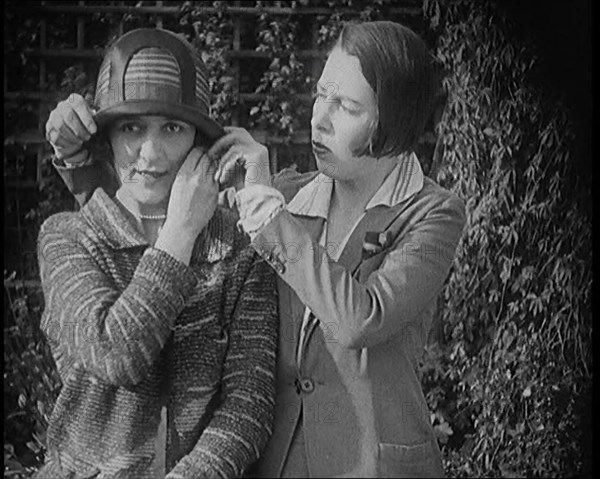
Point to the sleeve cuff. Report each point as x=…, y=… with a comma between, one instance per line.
x=257, y=206
x=83, y=158
x=162, y=269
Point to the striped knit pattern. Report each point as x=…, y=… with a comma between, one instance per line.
x=148, y=70
x=112, y=302
x=153, y=65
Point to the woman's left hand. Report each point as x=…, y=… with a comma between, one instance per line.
x=237, y=149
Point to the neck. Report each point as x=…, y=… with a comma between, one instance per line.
x=141, y=210
x=148, y=224
x=356, y=193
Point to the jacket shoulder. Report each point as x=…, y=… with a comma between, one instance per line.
x=435, y=196
x=289, y=181
x=59, y=235
x=68, y=224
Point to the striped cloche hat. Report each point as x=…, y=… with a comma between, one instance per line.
x=151, y=71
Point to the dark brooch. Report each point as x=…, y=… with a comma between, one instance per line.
x=375, y=242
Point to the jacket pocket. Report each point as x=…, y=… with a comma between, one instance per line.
x=420, y=460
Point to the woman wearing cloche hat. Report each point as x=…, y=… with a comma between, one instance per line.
x=162, y=322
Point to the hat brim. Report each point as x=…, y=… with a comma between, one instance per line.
x=206, y=126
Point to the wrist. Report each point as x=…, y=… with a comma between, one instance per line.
x=182, y=230
x=78, y=158
x=176, y=242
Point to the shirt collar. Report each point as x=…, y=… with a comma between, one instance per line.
x=403, y=182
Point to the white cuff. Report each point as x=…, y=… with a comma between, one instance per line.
x=257, y=205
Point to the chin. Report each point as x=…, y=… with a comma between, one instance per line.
x=327, y=166
x=151, y=197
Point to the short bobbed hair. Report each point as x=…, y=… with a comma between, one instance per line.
x=398, y=66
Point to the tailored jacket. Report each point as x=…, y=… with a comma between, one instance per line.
x=355, y=388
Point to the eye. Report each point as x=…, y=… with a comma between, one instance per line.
x=129, y=127
x=324, y=94
x=174, y=127
x=349, y=109
x=317, y=94
x=328, y=96
x=335, y=102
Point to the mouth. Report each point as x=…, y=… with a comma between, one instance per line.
x=320, y=147
x=151, y=174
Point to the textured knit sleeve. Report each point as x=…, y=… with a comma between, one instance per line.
x=115, y=335
x=82, y=180
x=242, y=424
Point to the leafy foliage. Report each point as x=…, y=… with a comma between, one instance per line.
x=212, y=35
x=285, y=80
x=31, y=382
x=514, y=373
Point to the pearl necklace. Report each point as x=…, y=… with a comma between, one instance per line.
x=138, y=215
x=150, y=217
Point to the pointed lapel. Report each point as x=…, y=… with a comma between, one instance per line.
x=375, y=219
x=295, y=307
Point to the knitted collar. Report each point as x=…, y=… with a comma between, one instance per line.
x=110, y=223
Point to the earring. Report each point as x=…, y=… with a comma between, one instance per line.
x=371, y=147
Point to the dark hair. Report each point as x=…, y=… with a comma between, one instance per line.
x=398, y=66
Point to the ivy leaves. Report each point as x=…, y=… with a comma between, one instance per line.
x=517, y=300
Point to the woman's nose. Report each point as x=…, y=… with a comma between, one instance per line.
x=149, y=151
x=320, y=116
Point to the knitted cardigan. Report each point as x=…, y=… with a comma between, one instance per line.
x=112, y=303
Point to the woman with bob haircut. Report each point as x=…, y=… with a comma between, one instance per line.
x=362, y=248
x=160, y=316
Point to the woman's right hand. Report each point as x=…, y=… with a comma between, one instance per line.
x=69, y=126
x=194, y=194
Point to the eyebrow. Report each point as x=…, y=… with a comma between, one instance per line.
x=343, y=97
x=136, y=118
x=127, y=118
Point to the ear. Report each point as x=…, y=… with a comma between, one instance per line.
x=368, y=145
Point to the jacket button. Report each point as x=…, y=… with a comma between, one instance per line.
x=279, y=267
x=306, y=385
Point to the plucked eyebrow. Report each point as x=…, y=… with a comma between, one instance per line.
x=127, y=119
x=179, y=122
x=136, y=119
x=343, y=97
